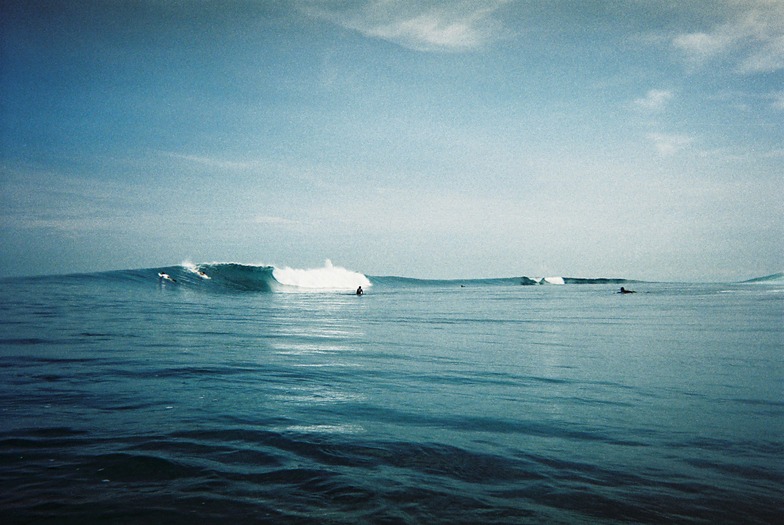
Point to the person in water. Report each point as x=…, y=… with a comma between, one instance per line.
x=360, y=291
x=624, y=290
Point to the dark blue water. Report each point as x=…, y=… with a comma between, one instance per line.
x=123, y=400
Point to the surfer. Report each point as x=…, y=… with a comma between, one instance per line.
x=165, y=277
x=624, y=290
x=360, y=291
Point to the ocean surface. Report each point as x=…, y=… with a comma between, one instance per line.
x=250, y=394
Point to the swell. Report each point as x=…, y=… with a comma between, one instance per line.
x=237, y=277
x=272, y=476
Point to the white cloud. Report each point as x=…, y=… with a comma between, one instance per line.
x=753, y=41
x=699, y=47
x=422, y=26
x=654, y=100
x=774, y=154
x=769, y=57
x=668, y=144
x=778, y=100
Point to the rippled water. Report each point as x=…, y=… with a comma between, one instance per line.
x=130, y=402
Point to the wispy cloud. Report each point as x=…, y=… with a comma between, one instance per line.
x=213, y=162
x=55, y=201
x=422, y=26
x=668, y=144
x=654, y=100
x=269, y=220
x=774, y=154
x=753, y=41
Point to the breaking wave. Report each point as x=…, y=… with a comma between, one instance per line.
x=260, y=278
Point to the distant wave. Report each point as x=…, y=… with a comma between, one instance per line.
x=599, y=280
x=503, y=281
x=776, y=277
x=529, y=281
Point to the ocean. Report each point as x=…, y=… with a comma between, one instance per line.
x=255, y=394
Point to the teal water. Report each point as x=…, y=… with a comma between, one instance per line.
x=128, y=400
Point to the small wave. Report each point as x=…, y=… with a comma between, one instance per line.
x=325, y=429
x=773, y=278
x=598, y=280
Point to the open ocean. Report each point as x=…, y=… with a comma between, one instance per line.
x=263, y=395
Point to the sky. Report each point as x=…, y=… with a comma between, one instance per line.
x=639, y=139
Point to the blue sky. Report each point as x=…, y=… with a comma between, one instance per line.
x=639, y=139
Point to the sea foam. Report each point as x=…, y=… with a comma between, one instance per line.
x=329, y=277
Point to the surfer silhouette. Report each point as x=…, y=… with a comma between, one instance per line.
x=624, y=290
x=360, y=291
